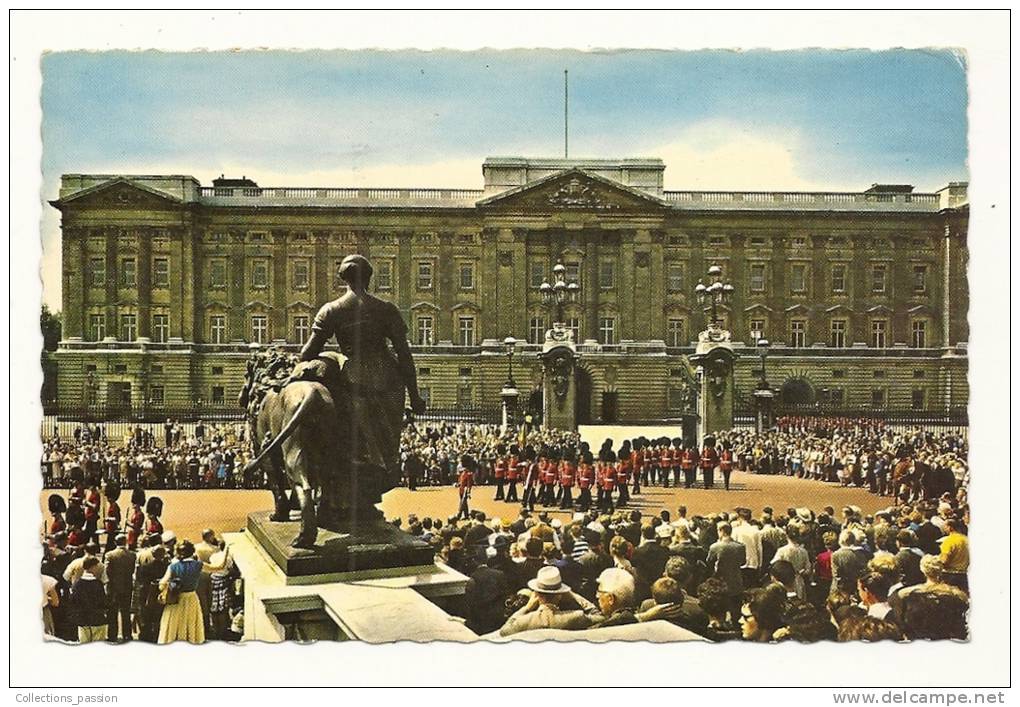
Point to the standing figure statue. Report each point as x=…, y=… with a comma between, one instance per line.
x=370, y=410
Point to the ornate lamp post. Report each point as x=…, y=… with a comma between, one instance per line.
x=714, y=294
x=509, y=393
x=558, y=293
x=763, y=394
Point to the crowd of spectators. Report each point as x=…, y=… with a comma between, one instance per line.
x=151, y=586
x=210, y=456
x=898, y=574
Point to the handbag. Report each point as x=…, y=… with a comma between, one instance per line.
x=170, y=594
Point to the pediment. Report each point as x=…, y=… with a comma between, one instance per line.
x=573, y=190
x=119, y=193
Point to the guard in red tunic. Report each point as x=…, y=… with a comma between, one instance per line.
x=688, y=463
x=58, y=507
x=93, y=499
x=726, y=464
x=607, y=482
x=136, y=517
x=547, y=466
x=676, y=460
x=112, y=517
x=465, y=480
x=499, y=472
x=585, y=480
x=637, y=464
x=568, y=475
x=663, y=461
x=515, y=469
x=153, y=511
x=709, y=461
x=623, y=470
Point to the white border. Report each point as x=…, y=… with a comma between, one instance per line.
x=983, y=661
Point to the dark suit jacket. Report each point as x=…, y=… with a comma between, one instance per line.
x=120, y=571
x=650, y=560
x=725, y=558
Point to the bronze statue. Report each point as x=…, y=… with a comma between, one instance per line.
x=341, y=414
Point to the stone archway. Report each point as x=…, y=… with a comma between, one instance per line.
x=797, y=392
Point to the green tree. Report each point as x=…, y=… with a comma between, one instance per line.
x=49, y=322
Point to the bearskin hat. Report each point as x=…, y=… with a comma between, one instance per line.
x=112, y=490
x=678, y=442
x=155, y=506
x=57, y=504
x=138, y=496
x=77, y=475
x=709, y=441
x=76, y=516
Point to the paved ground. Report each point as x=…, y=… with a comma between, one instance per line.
x=188, y=512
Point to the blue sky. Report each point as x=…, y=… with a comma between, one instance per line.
x=719, y=119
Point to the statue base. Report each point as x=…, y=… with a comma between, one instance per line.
x=369, y=549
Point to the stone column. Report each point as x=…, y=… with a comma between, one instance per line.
x=714, y=357
x=559, y=389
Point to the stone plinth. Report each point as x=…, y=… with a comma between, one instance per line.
x=375, y=610
x=714, y=358
x=372, y=549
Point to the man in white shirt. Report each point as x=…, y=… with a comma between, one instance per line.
x=745, y=533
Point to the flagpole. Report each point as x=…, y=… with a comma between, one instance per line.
x=566, y=144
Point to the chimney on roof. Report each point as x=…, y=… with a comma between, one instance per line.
x=890, y=189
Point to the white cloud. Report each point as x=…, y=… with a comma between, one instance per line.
x=722, y=156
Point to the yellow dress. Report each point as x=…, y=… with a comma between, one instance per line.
x=181, y=621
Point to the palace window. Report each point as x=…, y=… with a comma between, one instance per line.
x=218, y=329
x=675, y=277
x=879, y=328
x=156, y=395
x=878, y=277
x=260, y=329
x=573, y=273
x=97, y=327
x=301, y=328
x=260, y=274
x=920, y=279
x=466, y=331
x=798, y=333
x=675, y=332
x=919, y=333
x=798, y=277
x=837, y=396
x=837, y=333
x=465, y=396
x=160, y=328
x=216, y=370
x=757, y=279
x=607, y=275
x=536, y=330
x=128, y=327
x=217, y=273
x=757, y=329
x=301, y=276
x=425, y=275
x=878, y=397
x=917, y=399
x=466, y=275
x=128, y=273
x=839, y=278
x=97, y=272
x=161, y=273
x=918, y=373
x=607, y=331
x=574, y=326
x=217, y=394
x=384, y=275
x=536, y=274
x=425, y=331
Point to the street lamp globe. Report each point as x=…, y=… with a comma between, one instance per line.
x=728, y=289
x=572, y=289
x=715, y=271
x=700, y=289
x=763, y=344
x=559, y=270
x=510, y=343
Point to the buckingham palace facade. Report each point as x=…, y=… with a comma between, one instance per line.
x=863, y=295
